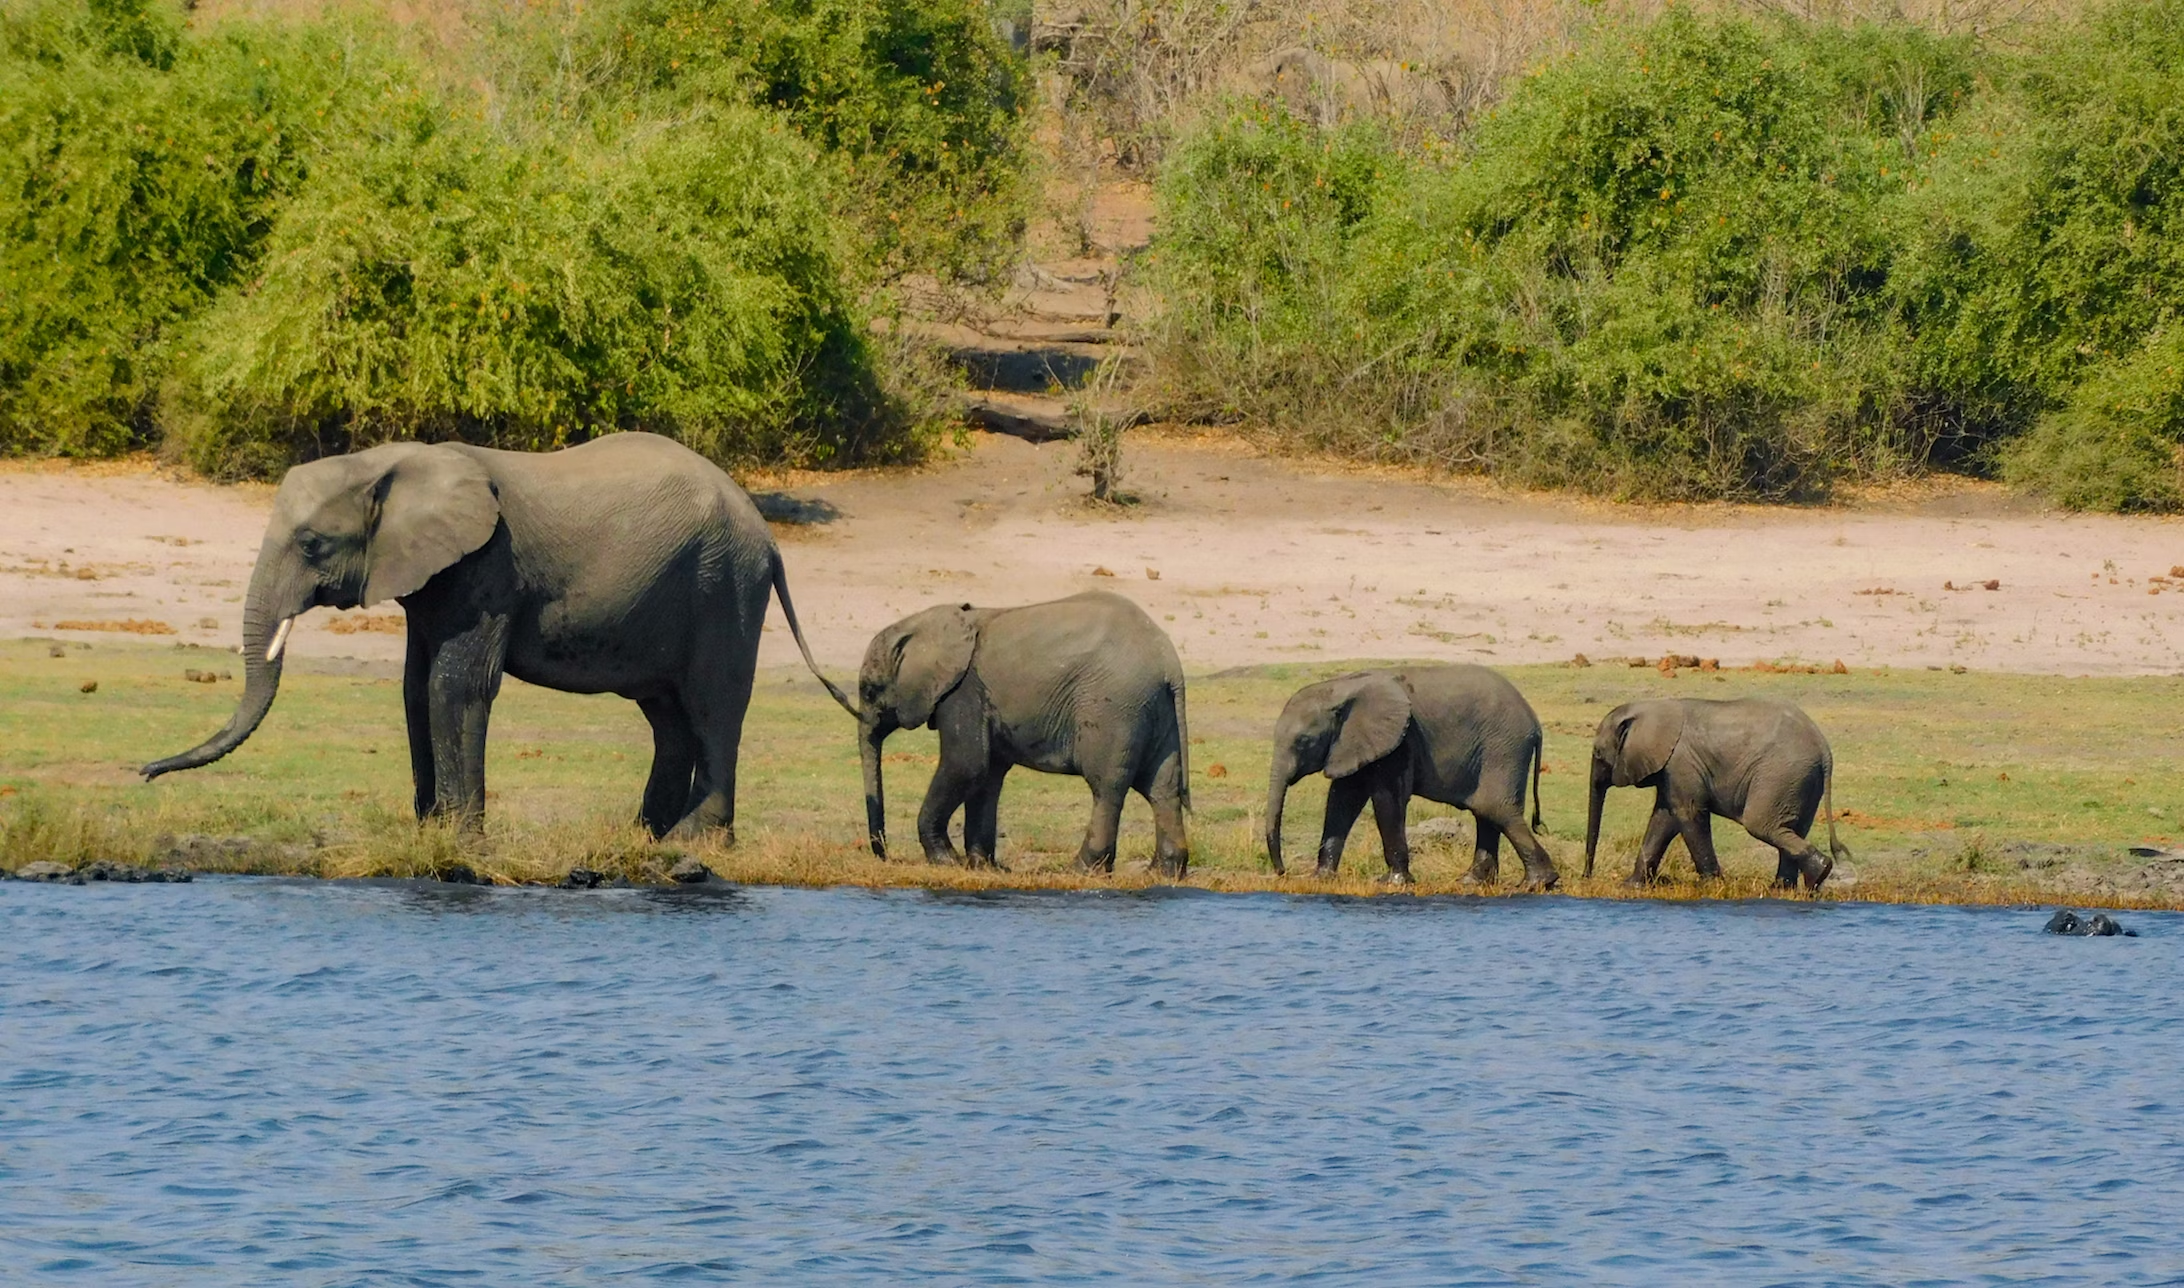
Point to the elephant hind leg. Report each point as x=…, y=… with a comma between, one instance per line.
x=1539, y=866
x=1796, y=858
x=1097, y=853
x=674, y=761
x=715, y=720
x=1485, y=850
x=1171, y=841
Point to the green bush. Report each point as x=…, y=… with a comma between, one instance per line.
x=436, y=281
x=2118, y=443
x=919, y=108
x=2052, y=247
x=139, y=175
x=1712, y=256
x=1658, y=270
x=254, y=242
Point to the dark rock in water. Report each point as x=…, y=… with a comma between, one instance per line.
x=44, y=870
x=688, y=871
x=582, y=879
x=2100, y=924
x=460, y=874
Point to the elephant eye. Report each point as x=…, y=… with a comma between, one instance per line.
x=313, y=545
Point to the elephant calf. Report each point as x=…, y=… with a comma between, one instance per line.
x=1460, y=735
x=1087, y=685
x=1760, y=761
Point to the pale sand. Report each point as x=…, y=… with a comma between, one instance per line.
x=1263, y=560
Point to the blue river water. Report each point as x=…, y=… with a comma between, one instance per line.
x=287, y=1082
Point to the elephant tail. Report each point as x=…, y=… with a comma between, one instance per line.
x=788, y=610
x=1836, y=848
x=1182, y=735
x=1539, y=763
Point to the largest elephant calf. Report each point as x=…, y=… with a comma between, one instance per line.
x=629, y=565
x=1087, y=685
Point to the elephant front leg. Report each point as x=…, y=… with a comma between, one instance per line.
x=982, y=822
x=1346, y=799
x=1660, y=830
x=947, y=794
x=417, y=717
x=1698, y=834
x=464, y=679
x=1391, y=810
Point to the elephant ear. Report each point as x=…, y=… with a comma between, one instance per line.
x=931, y=656
x=435, y=505
x=1374, y=716
x=1644, y=738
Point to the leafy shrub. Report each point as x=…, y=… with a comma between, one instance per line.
x=139, y=175
x=2051, y=251
x=264, y=241
x=2118, y=443
x=919, y=107
x=1659, y=270
x=439, y=282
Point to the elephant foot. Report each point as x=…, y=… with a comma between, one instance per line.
x=1324, y=873
x=1483, y=876
x=1398, y=877
x=1542, y=882
x=1814, y=878
x=986, y=861
x=1638, y=881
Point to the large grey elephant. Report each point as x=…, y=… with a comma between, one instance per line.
x=629, y=565
x=1087, y=685
x=1760, y=761
x=1460, y=735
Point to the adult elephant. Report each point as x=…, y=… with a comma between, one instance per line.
x=1460, y=735
x=628, y=565
x=1760, y=761
x=1087, y=685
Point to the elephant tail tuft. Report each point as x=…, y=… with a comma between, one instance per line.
x=1539, y=763
x=1836, y=848
x=1182, y=736
x=788, y=610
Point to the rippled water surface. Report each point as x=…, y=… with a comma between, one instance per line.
x=297, y=1083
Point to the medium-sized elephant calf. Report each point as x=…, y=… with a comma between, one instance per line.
x=1087, y=685
x=1460, y=735
x=1760, y=761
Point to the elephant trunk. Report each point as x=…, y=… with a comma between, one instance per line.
x=275, y=599
x=875, y=797
x=1279, y=777
x=1602, y=777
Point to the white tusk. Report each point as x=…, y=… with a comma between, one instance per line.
x=280, y=640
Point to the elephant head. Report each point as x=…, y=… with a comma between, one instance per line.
x=909, y=667
x=346, y=532
x=1632, y=744
x=1337, y=727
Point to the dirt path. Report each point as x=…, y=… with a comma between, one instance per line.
x=1259, y=560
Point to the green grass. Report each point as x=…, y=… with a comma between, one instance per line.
x=2092, y=766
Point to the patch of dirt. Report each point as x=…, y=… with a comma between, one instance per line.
x=1249, y=559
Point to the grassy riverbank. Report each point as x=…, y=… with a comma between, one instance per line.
x=1962, y=788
